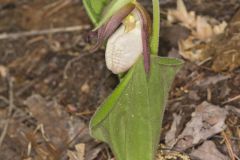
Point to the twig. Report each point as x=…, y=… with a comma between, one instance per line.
x=204, y=61
x=238, y=134
x=71, y=142
x=232, y=99
x=85, y=113
x=69, y=63
x=176, y=99
x=10, y=109
x=209, y=94
x=228, y=145
x=42, y=32
x=5, y=100
x=231, y=138
x=58, y=6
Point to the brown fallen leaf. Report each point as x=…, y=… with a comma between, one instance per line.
x=210, y=40
x=207, y=120
x=208, y=151
x=78, y=154
x=56, y=127
x=220, y=48
x=3, y=71
x=188, y=19
x=203, y=28
x=212, y=80
x=170, y=138
x=234, y=109
x=191, y=49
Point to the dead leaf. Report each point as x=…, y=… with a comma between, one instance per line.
x=92, y=152
x=181, y=14
x=170, y=138
x=202, y=27
x=228, y=59
x=208, y=151
x=193, y=95
x=207, y=120
x=214, y=41
x=191, y=49
x=218, y=29
x=204, y=30
x=54, y=123
x=78, y=154
x=3, y=71
x=233, y=109
x=212, y=80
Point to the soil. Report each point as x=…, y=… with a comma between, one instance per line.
x=51, y=85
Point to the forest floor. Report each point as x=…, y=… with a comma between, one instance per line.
x=51, y=85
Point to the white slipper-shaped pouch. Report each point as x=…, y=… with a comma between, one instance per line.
x=124, y=47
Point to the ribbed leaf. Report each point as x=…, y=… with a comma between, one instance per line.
x=130, y=118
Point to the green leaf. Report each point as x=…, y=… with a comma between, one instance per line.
x=95, y=8
x=130, y=118
x=100, y=11
x=111, y=9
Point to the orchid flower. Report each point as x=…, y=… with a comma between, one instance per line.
x=127, y=35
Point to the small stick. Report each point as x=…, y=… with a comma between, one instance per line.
x=10, y=109
x=69, y=63
x=5, y=100
x=209, y=94
x=238, y=134
x=43, y=32
x=228, y=145
x=232, y=99
x=231, y=138
x=58, y=6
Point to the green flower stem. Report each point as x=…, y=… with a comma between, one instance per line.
x=156, y=27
